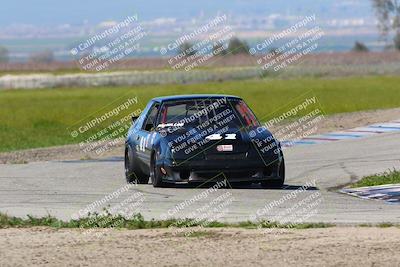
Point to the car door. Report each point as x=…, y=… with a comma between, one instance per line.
x=145, y=135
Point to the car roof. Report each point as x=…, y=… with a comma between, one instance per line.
x=189, y=97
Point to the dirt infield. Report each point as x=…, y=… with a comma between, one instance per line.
x=339, y=246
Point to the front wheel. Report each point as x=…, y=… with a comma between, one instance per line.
x=132, y=173
x=155, y=172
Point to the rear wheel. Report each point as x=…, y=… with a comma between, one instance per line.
x=276, y=183
x=132, y=173
x=155, y=172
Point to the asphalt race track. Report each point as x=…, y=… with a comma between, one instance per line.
x=63, y=188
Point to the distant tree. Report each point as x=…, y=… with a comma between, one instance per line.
x=388, y=14
x=4, y=54
x=219, y=49
x=236, y=46
x=45, y=56
x=397, y=41
x=360, y=47
x=186, y=49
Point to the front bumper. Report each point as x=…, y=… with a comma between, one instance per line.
x=233, y=170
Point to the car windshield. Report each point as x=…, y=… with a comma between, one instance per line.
x=196, y=111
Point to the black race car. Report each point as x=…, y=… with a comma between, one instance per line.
x=201, y=138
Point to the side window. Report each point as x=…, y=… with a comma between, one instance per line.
x=151, y=118
x=140, y=121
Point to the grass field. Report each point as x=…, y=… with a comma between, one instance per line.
x=137, y=221
x=389, y=177
x=41, y=118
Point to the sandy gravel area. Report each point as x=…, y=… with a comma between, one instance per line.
x=339, y=246
x=73, y=152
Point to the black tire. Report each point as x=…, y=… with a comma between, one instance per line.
x=155, y=173
x=276, y=183
x=133, y=174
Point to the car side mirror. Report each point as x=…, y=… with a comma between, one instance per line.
x=134, y=118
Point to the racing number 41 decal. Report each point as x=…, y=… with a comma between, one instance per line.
x=143, y=142
x=219, y=137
